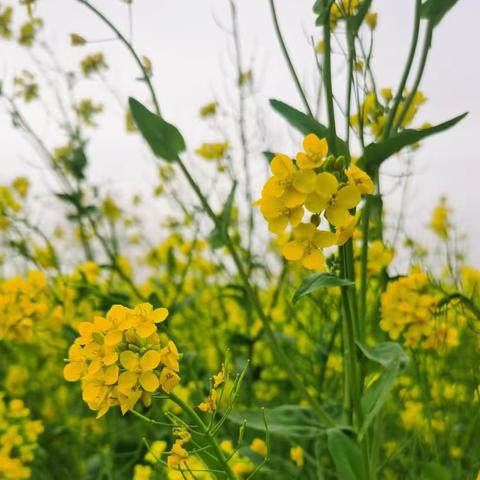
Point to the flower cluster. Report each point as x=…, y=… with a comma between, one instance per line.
x=22, y=303
x=409, y=309
x=374, y=111
x=18, y=439
x=213, y=151
x=210, y=404
x=318, y=184
x=121, y=358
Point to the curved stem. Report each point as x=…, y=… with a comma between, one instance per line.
x=421, y=68
x=124, y=40
x=288, y=59
x=406, y=71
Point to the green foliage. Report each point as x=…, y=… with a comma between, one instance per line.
x=305, y=124
x=377, y=152
x=435, y=10
x=317, y=281
x=219, y=236
x=287, y=420
x=346, y=455
x=163, y=138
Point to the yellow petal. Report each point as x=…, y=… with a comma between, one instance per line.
x=348, y=197
x=73, y=371
x=315, y=261
x=305, y=181
x=271, y=206
x=113, y=337
x=110, y=357
x=296, y=216
x=304, y=232
x=278, y=225
x=327, y=184
x=311, y=143
x=282, y=165
x=303, y=161
x=337, y=216
x=323, y=239
x=293, y=198
x=159, y=315
x=127, y=380
x=129, y=360
x=315, y=203
x=149, y=381
x=150, y=360
x=145, y=329
x=293, y=250
x=272, y=187
x=111, y=374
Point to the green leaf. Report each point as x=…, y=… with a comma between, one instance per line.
x=376, y=395
x=320, y=8
x=286, y=420
x=435, y=10
x=391, y=356
x=376, y=153
x=346, y=455
x=385, y=353
x=218, y=237
x=317, y=281
x=268, y=156
x=302, y=122
x=163, y=138
x=434, y=471
x=360, y=15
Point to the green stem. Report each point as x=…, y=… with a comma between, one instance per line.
x=327, y=81
x=406, y=71
x=288, y=59
x=351, y=358
x=421, y=68
x=204, y=429
x=124, y=40
x=363, y=266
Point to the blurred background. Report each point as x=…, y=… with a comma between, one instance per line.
x=190, y=46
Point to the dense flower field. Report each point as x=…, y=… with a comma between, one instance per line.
x=269, y=333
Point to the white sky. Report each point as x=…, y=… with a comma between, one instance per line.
x=190, y=55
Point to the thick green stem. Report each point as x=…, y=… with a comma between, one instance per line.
x=288, y=59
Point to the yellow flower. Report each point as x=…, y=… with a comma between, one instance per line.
x=155, y=452
x=209, y=110
x=210, y=405
x=120, y=359
x=77, y=40
x=139, y=369
x=371, y=20
x=316, y=150
x=360, y=179
x=296, y=454
x=142, y=472
x=336, y=200
x=259, y=446
x=307, y=246
x=213, y=151
x=278, y=215
x=289, y=182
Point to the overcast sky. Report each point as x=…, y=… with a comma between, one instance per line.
x=190, y=54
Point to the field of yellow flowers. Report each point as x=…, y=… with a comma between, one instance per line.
x=262, y=333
